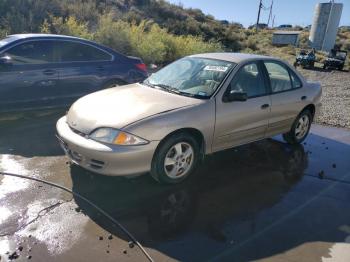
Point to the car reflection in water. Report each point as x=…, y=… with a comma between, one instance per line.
x=229, y=187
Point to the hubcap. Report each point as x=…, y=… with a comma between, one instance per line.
x=179, y=159
x=302, y=127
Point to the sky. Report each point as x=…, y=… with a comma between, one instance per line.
x=295, y=12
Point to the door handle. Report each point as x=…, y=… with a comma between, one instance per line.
x=303, y=97
x=49, y=72
x=264, y=106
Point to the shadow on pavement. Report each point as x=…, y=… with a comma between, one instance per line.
x=230, y=187
x=30, y=134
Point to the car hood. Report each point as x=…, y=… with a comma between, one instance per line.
x=120, y=106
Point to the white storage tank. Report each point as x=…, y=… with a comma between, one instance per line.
x=325, y=25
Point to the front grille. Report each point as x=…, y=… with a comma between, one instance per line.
x=97, y=164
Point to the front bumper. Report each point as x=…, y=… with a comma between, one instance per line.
x=104, y=159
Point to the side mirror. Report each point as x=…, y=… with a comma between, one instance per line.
x=236, y=96
x=5, y=60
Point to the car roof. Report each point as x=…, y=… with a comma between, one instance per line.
x=23, y=36
x=233, y=57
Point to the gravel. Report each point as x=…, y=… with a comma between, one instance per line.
x=335, y=99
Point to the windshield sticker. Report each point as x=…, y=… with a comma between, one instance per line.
x=201, y=93
x=216, y=68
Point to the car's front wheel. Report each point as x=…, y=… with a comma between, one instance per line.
x=300, y=128
x=175, y=159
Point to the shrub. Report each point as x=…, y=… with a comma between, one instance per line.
x=69, y=26
x=251, y=43
x=113, y=34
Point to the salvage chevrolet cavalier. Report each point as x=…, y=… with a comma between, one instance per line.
x=193, y=107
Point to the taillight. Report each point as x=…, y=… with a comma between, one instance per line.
x=142, y=67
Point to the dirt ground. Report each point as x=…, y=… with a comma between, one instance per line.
x=335, y=96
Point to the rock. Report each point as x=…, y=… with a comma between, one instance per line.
x=78, y=209
x=100, y=238
x=110, y=237
x=131, y=244
x=29, y=257
x=107, y=251
x=20, y=248
x=125, y=251
x=13, y=256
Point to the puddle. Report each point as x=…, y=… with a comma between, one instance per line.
x=59, y=230
x=5, y=213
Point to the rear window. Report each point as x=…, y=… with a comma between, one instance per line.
x=78, y=52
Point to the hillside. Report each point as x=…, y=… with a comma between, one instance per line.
x=156, y=30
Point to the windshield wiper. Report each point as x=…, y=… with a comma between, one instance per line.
x=174, y=90
x=146, y=83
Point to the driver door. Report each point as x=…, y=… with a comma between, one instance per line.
x=30, y=78
x=240, y=122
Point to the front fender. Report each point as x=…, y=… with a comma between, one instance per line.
x=200, y=117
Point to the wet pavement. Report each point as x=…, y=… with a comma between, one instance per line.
x=265, y=201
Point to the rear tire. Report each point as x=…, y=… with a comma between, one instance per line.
x=175, y=159
x=299, y=129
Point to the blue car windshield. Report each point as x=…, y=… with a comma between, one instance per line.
x=191, y=76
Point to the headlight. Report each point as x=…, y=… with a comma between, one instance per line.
x=116, y=137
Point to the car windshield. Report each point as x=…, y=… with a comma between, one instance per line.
x=337, y=54
x=191, y=76
x=341, y=55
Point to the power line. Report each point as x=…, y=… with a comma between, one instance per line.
x=257, y=21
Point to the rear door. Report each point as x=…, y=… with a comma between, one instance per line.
x=31, y=77
x=287, y=97
x=240, y=122
x=83, y=68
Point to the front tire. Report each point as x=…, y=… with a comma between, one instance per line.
x=175, y=159
x=300, y=128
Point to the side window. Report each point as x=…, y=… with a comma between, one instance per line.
x=34, y=52
x=248, y=80
x=295, y=80
x=279, y=77
x=77, y=52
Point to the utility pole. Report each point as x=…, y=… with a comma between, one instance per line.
x=270, y=15
x=257, y=21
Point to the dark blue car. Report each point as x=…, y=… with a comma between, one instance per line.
x=39, y=70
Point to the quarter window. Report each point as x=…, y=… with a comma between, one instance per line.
x=295, y=80
x=279, y=77
x=248, y=80
x=77, y=52
x=34, y=52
